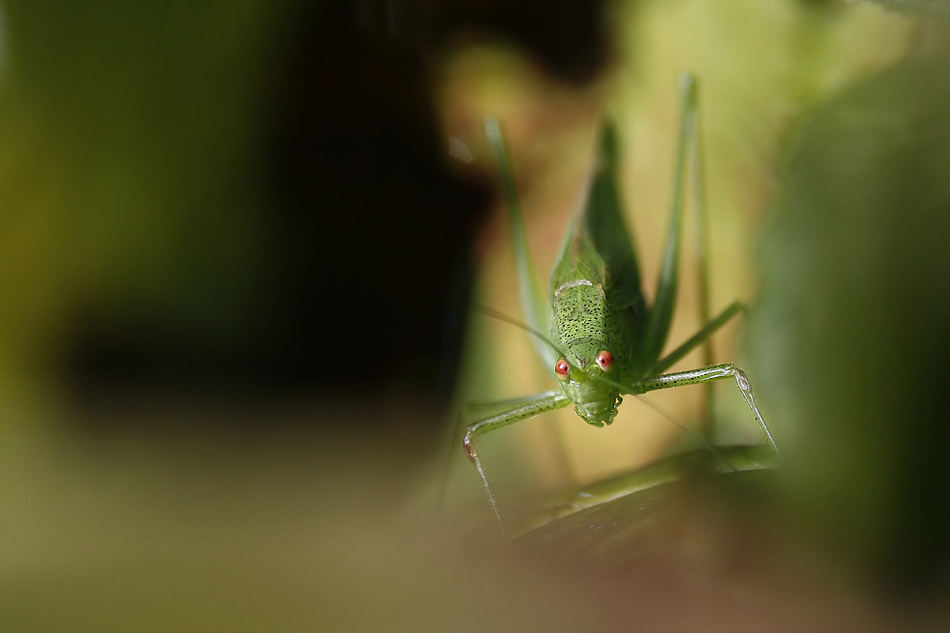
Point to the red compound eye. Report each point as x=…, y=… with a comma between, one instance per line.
x=604, y=360
x=562, y=368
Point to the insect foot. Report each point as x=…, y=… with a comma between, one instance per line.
x=469, y=449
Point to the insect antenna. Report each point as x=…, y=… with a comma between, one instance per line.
x=501, y=316
x=669, y=417
x=709, y=446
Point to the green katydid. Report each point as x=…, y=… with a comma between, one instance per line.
x=604, y=341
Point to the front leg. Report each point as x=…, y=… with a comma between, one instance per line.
x=521, y=410
x=705, y=375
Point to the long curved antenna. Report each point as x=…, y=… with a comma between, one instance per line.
x=709, y=446
x=501, y=316
x=666, y=414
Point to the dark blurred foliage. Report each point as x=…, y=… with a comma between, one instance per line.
x=369, y=232
x=264, y=188
x=850, y=336
x=571, y=40
x=361, y=235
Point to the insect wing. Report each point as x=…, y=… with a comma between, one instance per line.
x=603, y=222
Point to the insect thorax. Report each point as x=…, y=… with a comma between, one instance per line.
x=580, y=319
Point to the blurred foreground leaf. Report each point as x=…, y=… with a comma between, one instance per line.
x=850, y=335
x=615, y=516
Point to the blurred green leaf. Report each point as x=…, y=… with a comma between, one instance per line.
x=609, y=516
x=850, y=336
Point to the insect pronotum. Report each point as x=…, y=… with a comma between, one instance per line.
x=603, y=340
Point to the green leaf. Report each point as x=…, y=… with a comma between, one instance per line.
x=609, y=515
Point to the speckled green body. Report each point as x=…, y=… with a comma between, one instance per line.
x=584, y=322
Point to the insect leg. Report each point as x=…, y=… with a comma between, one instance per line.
x=704, y=375
x=534, y=309
x=698, y=339
x=661, y=312
x=698, y=186
x=485, y=409
x=522, y=410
